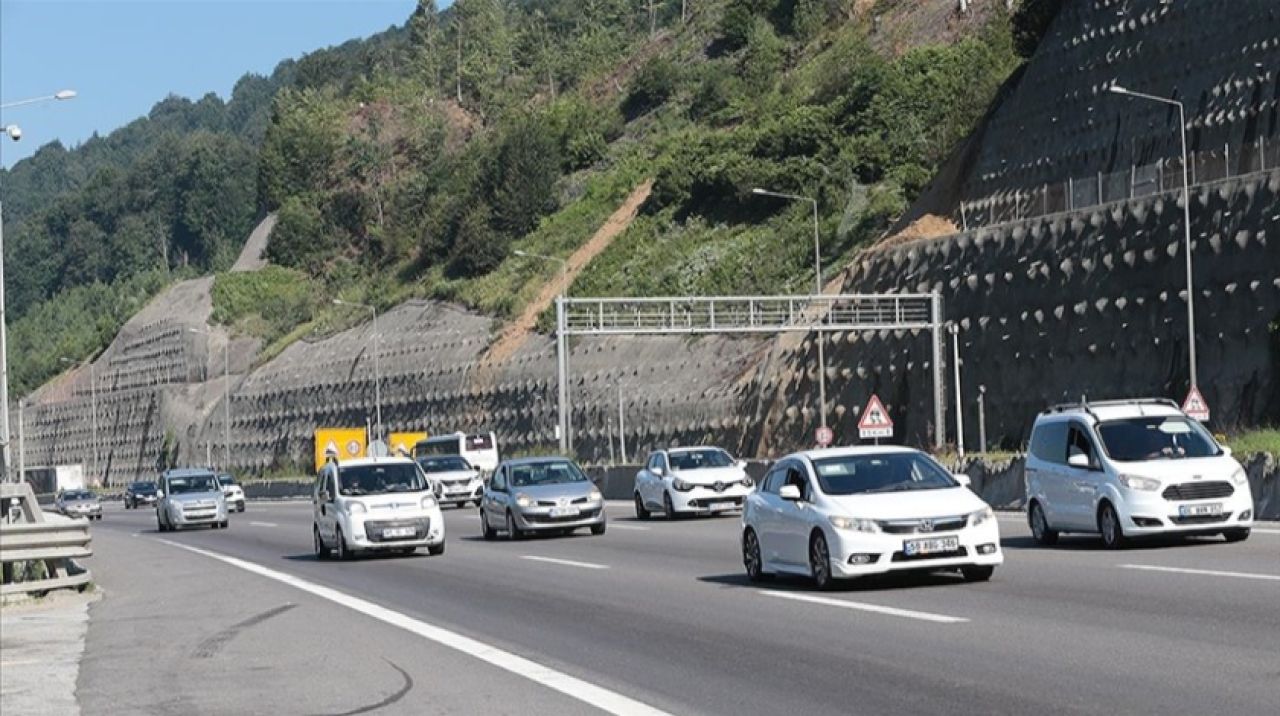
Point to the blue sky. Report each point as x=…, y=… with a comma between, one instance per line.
x=122, y=56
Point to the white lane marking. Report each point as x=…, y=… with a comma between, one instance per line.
x=637, y=528
x=1259, y=530
x=861, y=606
x=1202, y=572
x=565, y=562
x=571, y=686
x=264, y=524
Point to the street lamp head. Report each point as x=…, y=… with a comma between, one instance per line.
x=520, y=253
x=65, y=359
x=1117, y=89
x=339, y=302
x=758, y=190
x=14, y=132
x=65, y=94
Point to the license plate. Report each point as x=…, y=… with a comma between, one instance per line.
x=1214, y=508
x=930, y=546
x=398, y=532
x=565, y=511
x=722, y=505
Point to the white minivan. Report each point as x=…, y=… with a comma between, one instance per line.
x=381, y=504
x=1130, y=468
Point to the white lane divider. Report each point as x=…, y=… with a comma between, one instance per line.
x=264, y=524
x=1202, y=572
x=864, y=607
x=1259, y=530
x=571, y=686
x=565, y=562
x=636, y=528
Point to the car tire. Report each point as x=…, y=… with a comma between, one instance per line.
x=1110, y=528
x=322, y=550
x=160, y=524
x=240, y=508
x=486, y=530
x=977, y=573
x=599, y=529
x=820, y=561
x=751, y=557
x=641, y=512
x=224, y=524
x=435, y=550
x=340, y=549
x=1239, y=535
x=668, y=508
x=513, y=532
x=1040, y=526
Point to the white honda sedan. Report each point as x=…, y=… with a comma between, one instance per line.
x=849, y=512
x=689, y=481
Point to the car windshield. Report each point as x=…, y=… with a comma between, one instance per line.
x=226, y=480
x=699, y=459
x=73, y=495
x=381, y=479
x=444, y=463
x=546, y=473
x=193, y=483
x=1156, y=438
x=144, y=487
x=880, y=472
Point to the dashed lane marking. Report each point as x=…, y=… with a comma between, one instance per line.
x=864, y=607
x=565, y=562
x=1202, y=572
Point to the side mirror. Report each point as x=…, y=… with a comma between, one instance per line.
x=438, y=490
x=1226, y=451
x=741, y=464
x=963, y=479
x=324, y=496
x=790, y=493
x=1079, y=460
x=159, y=494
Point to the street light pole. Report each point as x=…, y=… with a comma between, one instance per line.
x=1186, y=218
x=817, y=280
x=955, y=360
x=226, y=399
x=562, y=350
x=16, y=133
x=377, y=371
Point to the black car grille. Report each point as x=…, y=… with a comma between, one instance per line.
x=902, y=556
x=374, y=529
x=705, y=502
x=556, y=503
x=549, y=520
x=1198, y=491
x=911, y=527
x=1199, y=519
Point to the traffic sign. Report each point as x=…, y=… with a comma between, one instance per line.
x=823, y=436
x=1195, y=405
x=875, y=422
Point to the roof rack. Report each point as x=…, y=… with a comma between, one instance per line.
x=1088, y=405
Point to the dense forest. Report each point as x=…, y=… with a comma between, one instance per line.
x=414, y=162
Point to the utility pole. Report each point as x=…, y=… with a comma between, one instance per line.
x=955, y=356
x=622, y=427
x=982, y=419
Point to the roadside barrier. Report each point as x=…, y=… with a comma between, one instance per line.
x=38, y=551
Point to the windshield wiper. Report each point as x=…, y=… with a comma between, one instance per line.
x=899, y=487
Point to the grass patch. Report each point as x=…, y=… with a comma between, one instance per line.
x=1255, y=441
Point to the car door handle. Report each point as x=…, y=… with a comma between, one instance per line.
x=1084, y=485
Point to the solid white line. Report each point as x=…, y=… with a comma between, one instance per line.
x=571, y=686
x=264, y=524
x=1259, y=530
x=1203, y=572
x=637, y=528
x=860, y=606
x=565, y=562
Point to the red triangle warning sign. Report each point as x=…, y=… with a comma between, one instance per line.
x=1195, y=405
x=875, y=422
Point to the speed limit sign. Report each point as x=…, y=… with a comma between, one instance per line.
x=823, y=436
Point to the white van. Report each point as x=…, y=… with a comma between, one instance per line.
x=1129, y=468
x=480, y=450
x=380, y=504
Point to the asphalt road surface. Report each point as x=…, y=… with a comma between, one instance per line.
x=658, y=616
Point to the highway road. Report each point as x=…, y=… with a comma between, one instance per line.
x=658, y=615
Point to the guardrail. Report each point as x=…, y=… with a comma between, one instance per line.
x=38, y=551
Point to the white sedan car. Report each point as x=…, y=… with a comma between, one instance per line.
x=457, y=482
x=695, y=480
x=849, y=512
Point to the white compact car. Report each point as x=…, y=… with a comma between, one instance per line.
x=374, y=505
x=232, y=491
x=1130, y=468
x=850, y=512
x=695, y=480
x=456, y=481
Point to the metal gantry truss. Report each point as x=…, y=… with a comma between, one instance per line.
x=698, y=315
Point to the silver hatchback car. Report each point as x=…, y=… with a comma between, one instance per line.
x=545, y=494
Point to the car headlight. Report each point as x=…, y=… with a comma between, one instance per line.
x=356, y=508
x=1239, y=477
x=855, y=524
x=1134, y=482
x=980, y=516
x=681, y=485
x=595, y=495
x=428, y=502
x=523, y=500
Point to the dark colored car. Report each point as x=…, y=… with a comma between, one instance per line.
x=139, y=493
